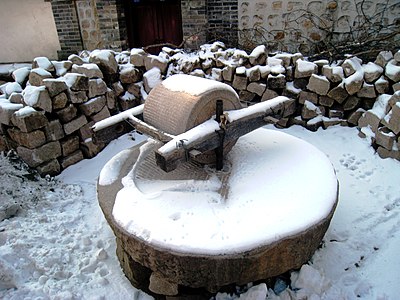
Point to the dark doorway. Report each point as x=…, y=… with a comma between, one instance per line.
x=151, y=22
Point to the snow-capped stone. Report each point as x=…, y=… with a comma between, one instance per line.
x=264, y=71
x=396, y=56
x=151, y=78
x=355, y=116
x=392, y=70
x=198, y=73
x=382, y=85
x=129, y=73
x=310, y=110
x=383, y=58
x=336, y=113
x=43, y=63
x=21, y=75
x=76, y=81
x=351, y=65
x=111, y=99
x=93, y=105
x=228, y=72
x=55, y=86
x=76, y=59
x=89, y=70
x=62, y=67
x=97, y=87
x=276, y=65
x=318, y=84
x=13, y=87
x=394, y=123
x=253, y=74
x=7, y=109
x=134, y=89
x=28, y=119
x=355, y=75
x=367, y=91
x=395, y=98
x=276, y=82
x=152, y=61
x=333, y=73
x=105, y=59
x=37, y=97
x=16, y=98
x=396, y=87
x=37, y=75
x=372, y=72
x=257, y=88
x=385, y=138
x=118, y=88
x=137, y=57
x=258, y=55
x=217, y=74
x=304, y=68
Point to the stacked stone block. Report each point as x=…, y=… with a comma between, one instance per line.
x=47, y=112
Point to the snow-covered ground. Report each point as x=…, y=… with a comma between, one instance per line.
x=59, y=246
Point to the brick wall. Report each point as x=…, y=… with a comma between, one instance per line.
x=194, y=22
x=223, y=21
x=67, y=25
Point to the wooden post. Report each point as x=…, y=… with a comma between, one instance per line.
x=219, y=151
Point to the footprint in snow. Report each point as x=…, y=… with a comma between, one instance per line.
x=356, y=167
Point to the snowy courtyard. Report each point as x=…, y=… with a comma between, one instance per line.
x=59, y=246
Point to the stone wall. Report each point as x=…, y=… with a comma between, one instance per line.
x=292, y=26
x=46, y=111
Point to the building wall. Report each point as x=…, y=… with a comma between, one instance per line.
x=27, y=31
x=296, y=25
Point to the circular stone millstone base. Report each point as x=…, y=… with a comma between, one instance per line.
x=167, y=270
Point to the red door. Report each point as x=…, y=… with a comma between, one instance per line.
x=151, y=22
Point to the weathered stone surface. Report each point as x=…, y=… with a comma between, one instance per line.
x=78, y=97
x=353, y=83
x=355, y=116
x=55, y=86
x=372, y=72
x=394, y=121
x=336, y=113
x=37, y=75
x=60, y=101
x=51, y=168
x=257, y=88
x=7, y=109
x=111, y=99
x=69, y=145
x=29, y=140
x=89, y=70
x=394, y=99
x=217, y=74
x=228, y=72
x=129, y=74
x=90, y=149
x=67, y=114
x=276, y=81
x=37, y=156
x=304, y=69
x=239, y=82
x=62, y=67
x=314, y=123
x=85, y=132
x=382, y=85
x=395, y=87
x=351, y=66
x=383, y=58
x=37, y=97
x=137, y=57
x=258, y=56
x=76, y=81
x=384, y=153
x=385, y=138
x=301, y=83
x=269, y=94
x=392, y=70
x=97, y=87
x=72, y=159
x=118, y=88
x=101, y=115
x=153, y=61
x=367, y=91
x=16, y=98
x=43, y=63
x=397, y=56
x=135, y=88
x=128, y=101
x=326, y=123
x=351, y=103
x=318, y=84
x=75, y=124
x=105, y=59
x=28, y=119
x=338, y=93
x=76, y=59
x=162, y=286
x=54, y=131
x=326, y=101
x=246, y=96
x=254, y=74
x=308, y=96
x=369, y=119
x=334, y=74
x=310, y=110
